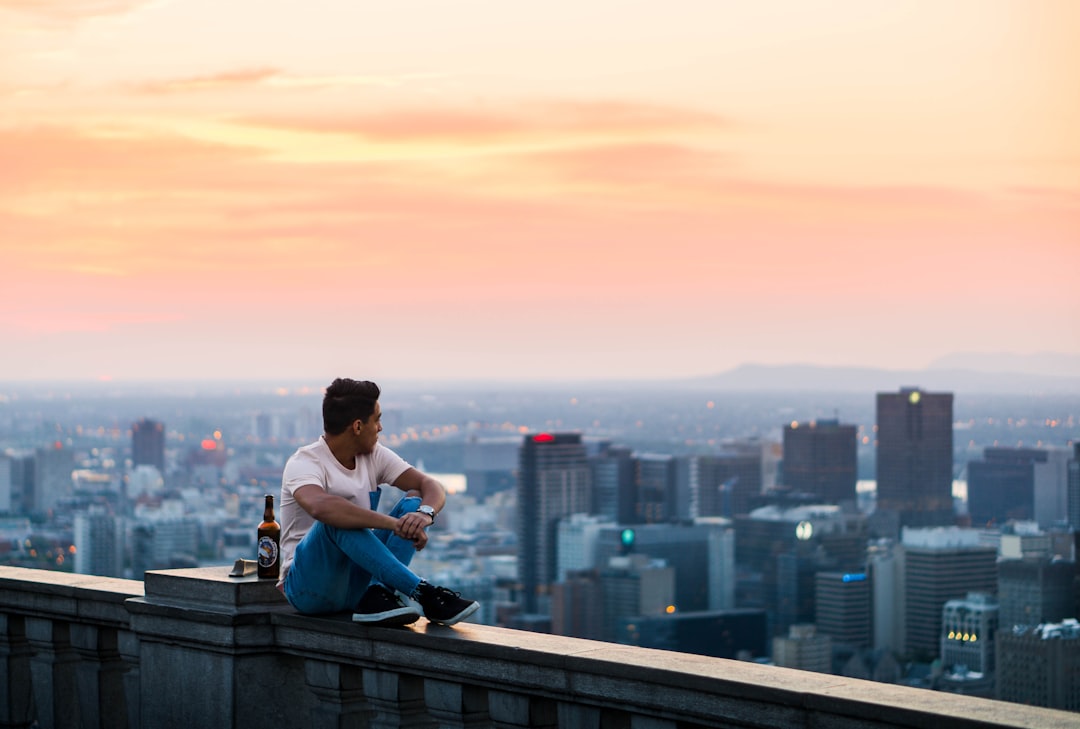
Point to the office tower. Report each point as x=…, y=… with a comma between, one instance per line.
x=737, y=634
x=701, y=552
x=577, y=605
x=940, y=565
x=1035, y=591
x=1052, y=487
x=613, y=484
x=52, y=477
x=1001, y=487
x=1073, y=491
x=729, y=483
x=655, y=489
x=885, y=566
x=915, y=457
x=99, y=543
x=490, y=465
x=803, y=648
x=1040, y=665
x=783, y=549
x=578, y=537
x=554, y=480
x=148, y=444
x=165, y=542
x=819, y=459
x=7, y=484
x=843, y=608
x=634, y=585
x=968, y=626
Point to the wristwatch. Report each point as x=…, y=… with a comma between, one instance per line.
x=429, y=510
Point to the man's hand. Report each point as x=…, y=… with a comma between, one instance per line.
x=412, y=526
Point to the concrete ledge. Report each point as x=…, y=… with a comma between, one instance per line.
x=199, y=634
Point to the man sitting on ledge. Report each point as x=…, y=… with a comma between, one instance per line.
x=340, y=553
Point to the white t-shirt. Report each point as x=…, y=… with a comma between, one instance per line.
x=316, y=464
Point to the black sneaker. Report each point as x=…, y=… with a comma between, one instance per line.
x=380, y=606
x=444, y=606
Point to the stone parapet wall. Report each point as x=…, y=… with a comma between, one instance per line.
x=193, y=648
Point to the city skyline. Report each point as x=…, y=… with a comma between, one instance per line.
x=493, y=192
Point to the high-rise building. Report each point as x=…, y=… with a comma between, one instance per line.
x=729, y=483
x=1001, y=487
x=656, y=488
x=843, y=602
x=701, y=552
x=784, y=548
x=1035, y=591
x=613, y=484
x=1073, y=490
x=53, y=467
x=819, y=459
x=554, y=480
x=968, y=626
x=99, y=544
x=634, y=585
x=1052, y=487
x=148, y=444
x=915, y=457
x=577, y=543
x=577, y=608
x=886, y=572
x=940, y=565
x=1040, y=665
x=7, y=484
x=803, y=648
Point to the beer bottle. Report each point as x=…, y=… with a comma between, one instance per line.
x=269, y=542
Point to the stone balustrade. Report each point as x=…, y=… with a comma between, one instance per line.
x=195, y=648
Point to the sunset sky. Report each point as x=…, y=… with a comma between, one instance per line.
x=501, y=190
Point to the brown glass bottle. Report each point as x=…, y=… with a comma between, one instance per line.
x=269, y=542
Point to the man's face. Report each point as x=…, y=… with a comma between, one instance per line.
x=367, y=435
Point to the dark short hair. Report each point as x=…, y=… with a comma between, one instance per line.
x=347, y=401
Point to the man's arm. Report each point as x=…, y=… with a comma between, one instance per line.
x=338, y=512
x=431, y=493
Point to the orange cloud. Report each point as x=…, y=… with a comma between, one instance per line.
x=212, y=82
x=71, y=10
x=528, y=120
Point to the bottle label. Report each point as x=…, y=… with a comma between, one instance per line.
x=268, y=552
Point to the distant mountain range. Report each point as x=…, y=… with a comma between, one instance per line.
x=961, y=372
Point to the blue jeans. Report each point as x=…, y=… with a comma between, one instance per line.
x=333, y=567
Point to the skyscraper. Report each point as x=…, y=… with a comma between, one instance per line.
x=99, y=544
x=843, y=603
x=613, y=484
x=1073, y=490
x=1040, y=665
x=729, y=482
x=148, y=444
x=941, y=565
x=1002, y=485
x=1035, y=591
x=554, y=480
x=52, y=476
x=819, y=458
x=655, y=487
x=915, y=456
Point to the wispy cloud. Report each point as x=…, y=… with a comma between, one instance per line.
x=211, y=82
x=71, y=10
x=507, y=122
x=273, y=78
